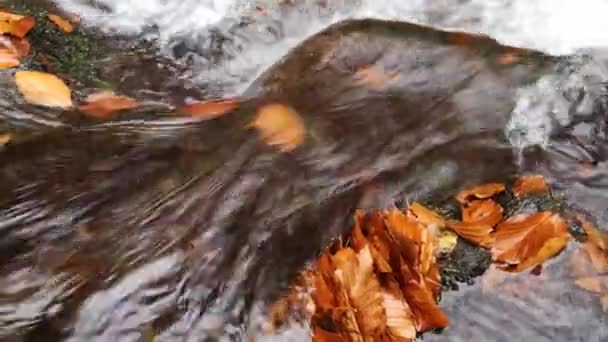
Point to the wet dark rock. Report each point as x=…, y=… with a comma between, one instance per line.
x=108, y=231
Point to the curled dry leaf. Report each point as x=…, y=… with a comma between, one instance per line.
x=280, y=126
x=16, y=25
x=480, y=192
x=478, y=220
x=527, y=240
x=63, y=24
x=103, y=104
x=43, y=89
x=209, y=109
x=530, y=184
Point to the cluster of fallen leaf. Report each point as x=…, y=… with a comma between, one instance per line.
x=277, y=124
x=383, y=283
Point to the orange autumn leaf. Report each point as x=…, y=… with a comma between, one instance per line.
x=280, y=126
x=375, y=77
x=478, y=220
x=103, y=104
x=590, y=268
x=427, y=314
x=209, y=109
x=5, y=138
x=43, y=89
x=480, y=192
x=426, y=216
x=399, y=318
x=321, y=335
x=63, y=24
x=527, y=240
x=16, y=25
x=355, y=273
x=529, y=185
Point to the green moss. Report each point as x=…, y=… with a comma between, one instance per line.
x=71, y=55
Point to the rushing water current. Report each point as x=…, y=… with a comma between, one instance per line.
x=127, y=231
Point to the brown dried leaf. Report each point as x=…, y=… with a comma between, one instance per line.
x=478, y=220
x=63, y=24
x=103, y=104
x=354, y=271
x=530, y=184
x=43, y=89
x=480, y=192
x=527, y=240
x=280, y=126
x=210, y=109
x=426, y=216
x=427, y=314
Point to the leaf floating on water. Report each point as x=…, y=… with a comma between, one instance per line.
x=43, y=89
x=209, y=109
x=103, y=104
x=528, y=185
x=375, y=77
x=280, y=126
x=527, y=240
x=480, y=192
x=5, y=138
x=63, y=24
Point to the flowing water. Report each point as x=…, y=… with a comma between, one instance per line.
x=126, y=230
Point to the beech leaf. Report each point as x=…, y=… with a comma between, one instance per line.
x=43, y=89
x=527, y=240
x=209, y=109
x=280, y=126
x=480, y=192
x=103, y=104
x=530, y=184
x=63, y=24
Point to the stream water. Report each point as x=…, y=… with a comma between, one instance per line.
x=75, y=270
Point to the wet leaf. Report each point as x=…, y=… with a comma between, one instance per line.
x=355, y=273
x=478, y=220
x=280, y=126
x=376, y=78
x=426, y=216
x=321, y=335
x=43, y=89
x=16, y=25
x=590, y=271
x=480, y=192
x=528, y=185
x=63, y=24
x=427, y=314
x=399, y=320
x=5, y=138
x=209, y=109
x=527, y=240
x=103, y=104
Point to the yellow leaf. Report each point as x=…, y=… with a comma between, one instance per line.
x=8, y=58
x=63, y=24
x=280, y=126
x=43, y=89
x=15, y=25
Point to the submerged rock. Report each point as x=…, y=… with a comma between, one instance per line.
x=109, y=232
